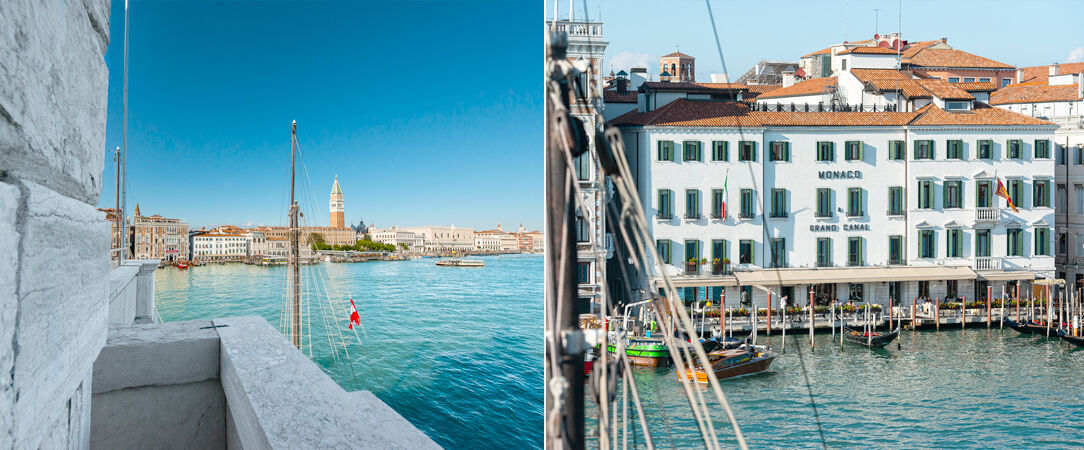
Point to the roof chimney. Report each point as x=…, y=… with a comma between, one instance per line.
x=622, y=85
x=1080, y=85
x=1054, y=69
x=1019, y=76
x=944, y=40
x=788, y=78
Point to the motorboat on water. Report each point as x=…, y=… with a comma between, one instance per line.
x=461, y=263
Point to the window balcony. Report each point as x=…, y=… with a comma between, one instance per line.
x=987, y=263
x=717, y=216
x=746, y=215
x=987, y=214
x=692, y=216
x=824, y=214
x=719, y=268
x=692, y=268
x=779, y=214
x=664, y=216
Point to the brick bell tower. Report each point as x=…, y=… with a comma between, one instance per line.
x=338, y=219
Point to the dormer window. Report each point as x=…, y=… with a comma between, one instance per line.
x=957, y=106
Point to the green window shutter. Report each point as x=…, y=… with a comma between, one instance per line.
x=786, y=151
x=933, y=154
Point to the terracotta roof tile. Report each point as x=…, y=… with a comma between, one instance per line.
x=609, y=96
x=944, y=90
x=685, y=86
x=978, y=86
x=910, y=88
x=868, y=51
x=1034, y=93
x=950, y=57
x=865, y=75
x=807, y=87
x=678, y=55
x=819, y=52
x=686, y=113
x=1040, y=74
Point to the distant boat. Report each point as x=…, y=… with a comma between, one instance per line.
x=1029, y=327
x=461, y=263
x=871, y=339
x=729, y=363
x=645, y=351
x=182, y=265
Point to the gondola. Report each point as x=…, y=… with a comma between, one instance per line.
x=1030, y=327
x=878, y=340
x=1077, y=341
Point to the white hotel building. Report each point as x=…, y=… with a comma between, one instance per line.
x=846, y=201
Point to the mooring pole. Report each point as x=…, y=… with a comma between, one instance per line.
x=812, y=343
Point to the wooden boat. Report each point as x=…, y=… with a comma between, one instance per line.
x=1075, y=340
x=1030, y=327
x=461, y=263
x=871, y=340
x=182, y=265
x=732, y=363
x=645, y=352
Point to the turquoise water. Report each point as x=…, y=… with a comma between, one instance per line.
x=457, y=351
x=973, y=388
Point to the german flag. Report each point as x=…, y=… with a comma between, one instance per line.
x=1001, y=192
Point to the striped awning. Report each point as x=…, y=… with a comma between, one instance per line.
x=789, y=277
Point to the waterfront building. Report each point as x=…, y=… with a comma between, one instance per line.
x=157, y=237
x=338, y=211
x=843, y=198
x=331, y=235
x=506, y=242
x=586, y=48
x=395, y=236
x=437, y=238
x=486, y=243
x=936, y=59
x=219, y=246
x=1056, y=93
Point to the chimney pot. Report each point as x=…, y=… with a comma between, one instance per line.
x=1054, y=69
x=788, y=78
x=944, y=40
x=1019, y=75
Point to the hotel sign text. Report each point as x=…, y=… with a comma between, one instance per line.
x=839, y=174
x=846, y=227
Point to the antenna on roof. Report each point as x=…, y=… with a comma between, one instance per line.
x=876, y=20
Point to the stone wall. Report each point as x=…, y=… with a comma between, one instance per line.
x=54, y=260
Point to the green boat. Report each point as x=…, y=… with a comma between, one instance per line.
x=645, y=351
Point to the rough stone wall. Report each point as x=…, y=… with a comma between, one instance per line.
x=54, y=260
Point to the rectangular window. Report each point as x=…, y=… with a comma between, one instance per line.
x=984, y=79
x=1078, y=195
x=854, y=202
x=984, y=191
x=1042, y=148
x=955, y=246
x=927, y=244
x=583, y=231
x=720, y=151
x=717, y=203
x=826, y=151
x=953, y=79
x=745, y=250
x=748, y=204
x=1041, y=194
x=986, y=149
x=1042, y=242
x=1015, y=149
x=666, y=150
x=780, y=151
x=1016, y=192
x=1063, y=154
x=1063, y=243
x=824, y=202
x=666, y=204
x=954, y=149
x=779, y=253
x=824, y=252
x=895, y=150
x=584, y=269
x=747, y=151
x=969, y=79
x=692, y=204
x=1005, y=81
x=692, y=256
x=950, y=106
x=853, y=151
x=924, y=149
x=583, y=168
x=692, y=151
x=895, y=249
x=779, y=203
x=954, y=194
x=1079, y=155
x=925, y=194
x=1063, y=198
x=1015, y=242
x=982, y=243
x=718, y=255
x=854, y=252
x=895, y=201
x=663, y=246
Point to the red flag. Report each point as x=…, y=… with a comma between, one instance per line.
x=1001, y=192
x=354, y=318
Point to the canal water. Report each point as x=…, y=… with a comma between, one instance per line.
x=971, y=388
x=456, y=351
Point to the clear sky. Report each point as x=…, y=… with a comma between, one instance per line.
x=1021, y=33
x=429, y=111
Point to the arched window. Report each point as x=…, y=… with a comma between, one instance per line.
x=673, y=69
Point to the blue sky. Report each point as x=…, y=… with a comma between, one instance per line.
x=429, y=111
x=1021, y=33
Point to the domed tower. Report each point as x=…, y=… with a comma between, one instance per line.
x=338, y=212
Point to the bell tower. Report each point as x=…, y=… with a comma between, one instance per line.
x=338, y=216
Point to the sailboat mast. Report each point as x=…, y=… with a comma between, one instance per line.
x=295, y=248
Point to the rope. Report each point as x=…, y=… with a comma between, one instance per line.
x=809, y=388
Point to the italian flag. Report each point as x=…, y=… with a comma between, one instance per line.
x=722, y=210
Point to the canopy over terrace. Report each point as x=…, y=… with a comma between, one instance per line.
x=786, y=277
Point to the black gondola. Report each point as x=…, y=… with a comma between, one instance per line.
x=1077, y=341
x=1030, y=327
x=878, y=340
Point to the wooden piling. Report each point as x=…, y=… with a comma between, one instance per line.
x=812, y=343
x=768, y=314
x=914, y=307
x=937, y=314
x=989, y=298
